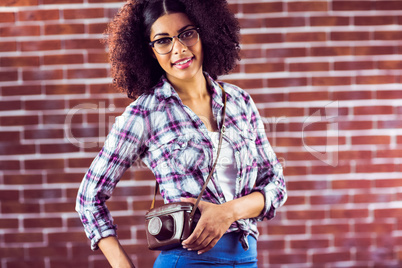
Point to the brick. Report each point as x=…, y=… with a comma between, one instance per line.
x=16, y=207
x=41, y=45
x=7, y=17
x=8, y=46
x=9, y=136
x=57, y=2
x=42, y=194
x=262, y=38
x=83, y=44
x=390, y=65
x=374, y=20
x=388, y=183
x=376, y=168
x=8, y=223
x=330, y=51
x=44, y=134
x=366, y=110
x=351, y=184
x=21, y=90
x=86, y=73
x=57, y=148
x=11, y=252
x=264, y=98
x=374, y=50
x=58, y=207
x=79, y=162
x=331, y=257
x=354, y=65
x=246, y=83
x=54, y=177
x=27, y=30
x=397, y=124
x=306, y=185
x=65, y=89
x=263, y=7
x=306, y=37
x=282, y=22
x=264, y=67
x=59, y=29
x=308, y=96
x=377, y=79
x=306, y=214
x=44, y=105
x=86, y=13
x=331, y=81
x=250, y=53
x=19, y=120
x=16, y=149
x=287, y=82
x=329, y=21
x=8, y=76
x=389, y=153
x=282, y=258
x=19, y=61
x=15, y=3
x=53, y=251
x=98, y=58
x=64, y=59
x=38, y=15
x=372, y=198
x=309, y=66
x=23, y=238
x=387, y=5
x=378, y=227
x=351, y=6
x=358, y=154
x=42, y=222
x=387, y=35
x=307, y=6
x=349, y=36
x=352, y=95
x=285, y=53
x=344, y=169
x=335, y=229
x=286, y=229
x=329, y=199
x=44, y=164
x=10, y=105
x=22, y=179
x=97, y=28
x=375, y=139
x=309, y=243
x=356, y=241
x=343, y=213
x=42, y=75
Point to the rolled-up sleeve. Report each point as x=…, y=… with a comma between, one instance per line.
x=270, y=180
x=121, y=149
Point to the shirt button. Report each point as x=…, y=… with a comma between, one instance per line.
x=276, y=182
x=239, y=178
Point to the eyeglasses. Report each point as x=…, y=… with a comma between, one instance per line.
x=164, y=45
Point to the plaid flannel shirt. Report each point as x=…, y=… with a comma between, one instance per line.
x=173, y=142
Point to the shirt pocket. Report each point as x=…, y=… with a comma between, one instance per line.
x=181, y=154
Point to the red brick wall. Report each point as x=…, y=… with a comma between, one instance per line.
x=326, y=76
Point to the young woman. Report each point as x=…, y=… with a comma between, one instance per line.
x=166, y=54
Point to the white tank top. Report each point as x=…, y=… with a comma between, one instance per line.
x=226, y=167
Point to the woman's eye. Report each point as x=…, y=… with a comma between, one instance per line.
x=163, y=41
x=187, y=34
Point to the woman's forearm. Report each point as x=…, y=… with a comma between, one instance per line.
x=115, y=253
x=245, y=207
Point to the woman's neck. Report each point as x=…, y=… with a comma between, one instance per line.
x=191, y=90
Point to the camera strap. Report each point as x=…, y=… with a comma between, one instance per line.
x=222, y=132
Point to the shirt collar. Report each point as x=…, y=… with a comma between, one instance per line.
x=164, y=90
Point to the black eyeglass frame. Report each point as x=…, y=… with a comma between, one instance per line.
x=172, y=37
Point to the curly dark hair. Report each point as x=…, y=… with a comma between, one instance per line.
x=133, y=68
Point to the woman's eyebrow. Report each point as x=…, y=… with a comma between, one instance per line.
x=179, y=31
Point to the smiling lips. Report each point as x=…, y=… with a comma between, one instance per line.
x=183, y=63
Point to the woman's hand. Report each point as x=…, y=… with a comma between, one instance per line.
x=214, y=222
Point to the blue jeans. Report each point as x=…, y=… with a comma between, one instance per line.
x=228, y=252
